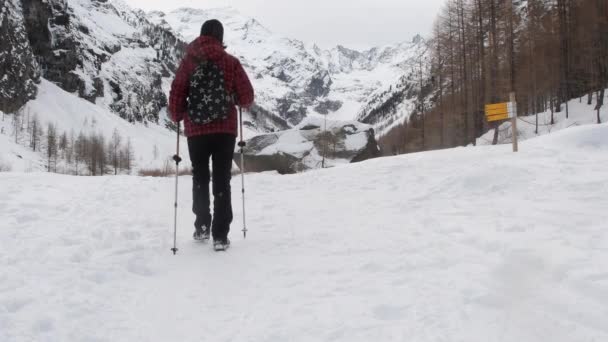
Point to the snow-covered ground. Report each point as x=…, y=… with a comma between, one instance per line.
x=469, y=244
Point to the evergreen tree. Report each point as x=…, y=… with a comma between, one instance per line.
x=51, y=146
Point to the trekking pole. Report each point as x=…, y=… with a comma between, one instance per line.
x=177, y=160
x=242, y=145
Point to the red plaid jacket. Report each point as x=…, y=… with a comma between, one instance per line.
x=236, y=80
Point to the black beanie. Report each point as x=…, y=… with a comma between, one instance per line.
x=213, y=28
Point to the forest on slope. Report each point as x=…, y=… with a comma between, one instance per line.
x=545, y=51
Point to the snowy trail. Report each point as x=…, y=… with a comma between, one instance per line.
x=474, y=244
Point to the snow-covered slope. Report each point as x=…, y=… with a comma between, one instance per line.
x=65, y=52
x=104, y=51
x=16, y=157
x=390, y=106
x=152, y=144
x=466, y=244
x=580, y=114
x=295, y=79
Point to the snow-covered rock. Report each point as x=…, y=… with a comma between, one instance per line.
x=303, y=147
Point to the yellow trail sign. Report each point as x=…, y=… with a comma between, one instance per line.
x=497, y=112
x=505, y=111
x=498, y=117
x=498, y=106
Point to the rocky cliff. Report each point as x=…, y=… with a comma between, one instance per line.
x=19, y=71
x=101, y=50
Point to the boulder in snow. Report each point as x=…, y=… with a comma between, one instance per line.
x=303, y=147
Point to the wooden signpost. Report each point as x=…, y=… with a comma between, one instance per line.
x=504, y=111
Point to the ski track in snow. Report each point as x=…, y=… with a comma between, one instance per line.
x=469, y=244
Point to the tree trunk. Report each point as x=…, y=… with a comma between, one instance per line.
x=452, y=71
x=464, y=72
x=441, y=107
x=551, y=106
x=562, y=8
x=493, y=62
x=511, y=46
x=421, y=96
x=482, y=63
x=600, y=103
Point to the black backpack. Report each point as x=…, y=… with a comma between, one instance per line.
x=208, y=99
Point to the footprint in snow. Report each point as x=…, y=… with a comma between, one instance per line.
x=372, y=267
x=81, y=256
x=131, y=235
x=138, y=267
x=16, y=304
x=389, y=312
x=44, y=324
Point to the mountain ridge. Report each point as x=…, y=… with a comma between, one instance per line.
x=124, y=59
x=296, y=79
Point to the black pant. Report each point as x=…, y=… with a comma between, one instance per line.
x=220, y=147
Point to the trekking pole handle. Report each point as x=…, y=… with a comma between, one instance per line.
x=176, y=157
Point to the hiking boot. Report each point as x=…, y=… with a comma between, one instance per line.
x=201, y=234
x=221, y=244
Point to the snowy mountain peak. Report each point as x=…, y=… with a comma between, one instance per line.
x=294, y=79
x=347, y=52
x=417, y=39
x=123, y=60
x=104, y=51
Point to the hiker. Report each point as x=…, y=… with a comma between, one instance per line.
x=208, y=86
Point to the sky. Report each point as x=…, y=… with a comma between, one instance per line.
x=353, y=23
